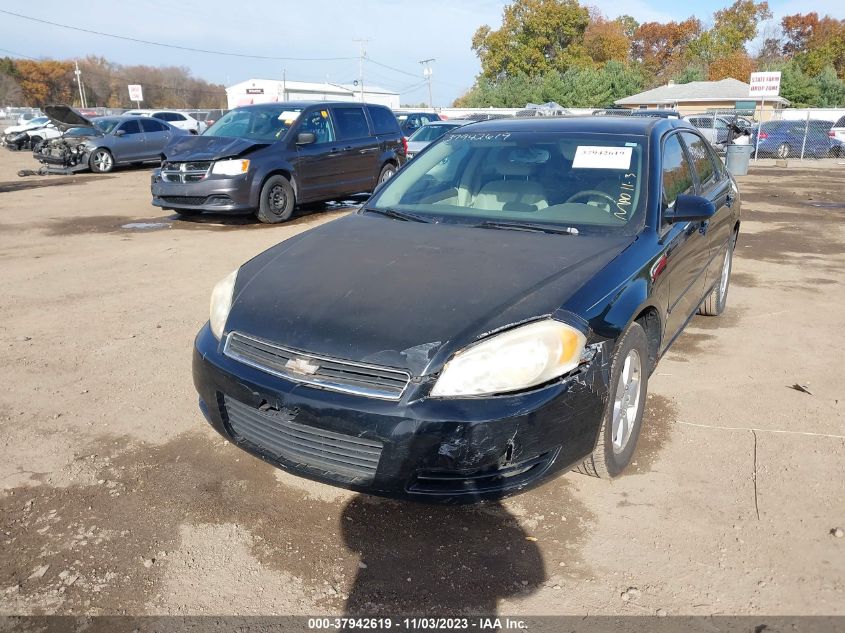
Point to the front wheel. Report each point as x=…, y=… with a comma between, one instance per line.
x=715, y=302
x=277, y=200
x=101, y=161
x=623, y=412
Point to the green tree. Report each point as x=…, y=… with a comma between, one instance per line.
x=535, y=36
x=831, y=89
x=801, y=89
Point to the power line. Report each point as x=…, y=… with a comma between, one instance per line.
x=398, y=70
x=174, y=46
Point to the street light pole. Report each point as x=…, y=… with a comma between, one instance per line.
x=362, y=53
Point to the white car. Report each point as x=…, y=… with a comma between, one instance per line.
x=182, y=120
x=31, y=134
x=27, y=125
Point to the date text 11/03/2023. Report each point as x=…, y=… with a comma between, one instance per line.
x=416, y=624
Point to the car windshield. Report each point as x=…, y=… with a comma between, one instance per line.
x=584, y=181
x=82, y=131
x=259, y=124
x=106, y=125
x=41, y=120
x=430, y=132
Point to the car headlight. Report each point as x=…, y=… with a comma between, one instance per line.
x=230, y=167
x=526, y=356
x=221, y=303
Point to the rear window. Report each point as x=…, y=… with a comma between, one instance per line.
x=383, y=120
x=430, y=132
x=840, y=122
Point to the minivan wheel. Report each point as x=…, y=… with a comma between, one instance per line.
x=101, y=161
x=387, y=172
x=277, y=200
x=623, y=412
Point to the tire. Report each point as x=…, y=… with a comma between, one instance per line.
x=783, y=150
x=387, y=172
x=629, y=381
x=101, y=161
x=715, y=302
x=277, y=201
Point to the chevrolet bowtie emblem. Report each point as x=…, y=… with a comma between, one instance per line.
x=302, y=366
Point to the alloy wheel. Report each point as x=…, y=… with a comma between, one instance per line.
x=103, y=161
x=626, y=402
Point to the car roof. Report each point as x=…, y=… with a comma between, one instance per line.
x=303, y=104
x=634, y=126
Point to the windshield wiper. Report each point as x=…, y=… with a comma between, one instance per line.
x=398, y=215
x=526, y=226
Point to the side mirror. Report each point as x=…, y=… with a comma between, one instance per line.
x=120, y=133
x=306, y=138
x=690, y=208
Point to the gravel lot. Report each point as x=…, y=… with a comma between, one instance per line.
x=116, y=497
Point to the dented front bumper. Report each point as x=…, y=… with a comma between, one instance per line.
x=430, y=449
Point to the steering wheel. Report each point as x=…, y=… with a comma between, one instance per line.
x=592, y=192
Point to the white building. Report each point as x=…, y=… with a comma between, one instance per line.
x=254, y=91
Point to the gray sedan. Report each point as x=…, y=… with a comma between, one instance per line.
x=429, y=133
x=107, y=141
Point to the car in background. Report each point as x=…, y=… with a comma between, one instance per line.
x=488, y=319
x=786, y=139
x=30, y=134
x=181, y=120
x=662, y=113
x=410, y=122
x=837, y=133
x=429, y=133
x=717, y=129
x=268, y=158
x=101, y=143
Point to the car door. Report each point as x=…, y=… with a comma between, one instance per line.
x=359, y=147
x=128, y=146
x=156, y=135
x=321, y=164
x=714, y=184
x=687, y=246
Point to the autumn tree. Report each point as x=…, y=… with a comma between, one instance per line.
x=45, y=82
x=661, y=48
x=606, y=40
x=535, y=36
x=738, y=65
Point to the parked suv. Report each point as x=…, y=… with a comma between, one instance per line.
x=182, y=120
x=266, y=159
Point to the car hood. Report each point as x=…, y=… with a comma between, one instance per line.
x=190, y=147
x=404, y=294
x=65, y=117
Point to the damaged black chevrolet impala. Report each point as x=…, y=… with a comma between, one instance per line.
x=490, y=317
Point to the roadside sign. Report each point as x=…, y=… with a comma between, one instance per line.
x=766, y=84
x=136, y=93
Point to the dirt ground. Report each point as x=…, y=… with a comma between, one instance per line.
x=116, y=497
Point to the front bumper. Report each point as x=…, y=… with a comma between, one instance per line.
x=217, y=194
x=429, y=449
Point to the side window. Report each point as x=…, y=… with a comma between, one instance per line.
x=131, y=127
x=318, y=123
x=351, y=122
x=677, y=177
x=701, y=161
x=163, y=116
x=383, y=120
x=151, y=125
x=175, y=116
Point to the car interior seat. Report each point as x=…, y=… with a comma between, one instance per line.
x=514, y=189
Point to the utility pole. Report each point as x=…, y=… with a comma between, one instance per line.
x=427, y=72
x=78, y=74
x=362, y=53
x=284, y=84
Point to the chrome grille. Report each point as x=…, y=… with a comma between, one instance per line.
x=336, y=375
x=274, y=433
x=192, y=171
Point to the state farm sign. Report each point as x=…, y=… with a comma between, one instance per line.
x=764, y=84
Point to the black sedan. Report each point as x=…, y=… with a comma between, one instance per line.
x=488, y=318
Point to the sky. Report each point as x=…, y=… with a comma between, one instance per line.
x=400, y=33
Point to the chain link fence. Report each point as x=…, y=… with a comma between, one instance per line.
x=773, y=133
